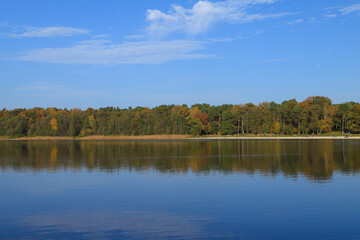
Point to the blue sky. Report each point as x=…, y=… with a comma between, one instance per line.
x=147, y=53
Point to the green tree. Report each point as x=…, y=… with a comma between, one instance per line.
x=354, y=118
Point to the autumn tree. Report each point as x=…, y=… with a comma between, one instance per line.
x=54, y=125
x=354, y=118
x=198, y=121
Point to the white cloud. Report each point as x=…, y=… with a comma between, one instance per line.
x=48, y=32
x=105, y=52
x=350, y=9
x=203, y=15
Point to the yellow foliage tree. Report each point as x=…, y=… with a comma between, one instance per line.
x=325, y=125
x=89, y=131
x=92, y=121
x=54, y=125
x=275, y=127
x=295, y=130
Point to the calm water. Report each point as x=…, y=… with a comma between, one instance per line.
x=251, y=189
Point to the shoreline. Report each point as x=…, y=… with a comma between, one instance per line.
x=97, y=137
x=281, y=138
x=177, y=137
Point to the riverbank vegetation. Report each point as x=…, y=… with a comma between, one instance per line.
x=315, y=115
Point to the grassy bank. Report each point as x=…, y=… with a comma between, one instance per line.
x=182, y=137
x=99, y=137
x=277, y=137
x=334, y=135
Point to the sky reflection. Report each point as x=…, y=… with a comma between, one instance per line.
x=103, y=224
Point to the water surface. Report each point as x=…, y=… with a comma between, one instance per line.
x=246, y=189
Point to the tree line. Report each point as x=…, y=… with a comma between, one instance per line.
x=315, y=115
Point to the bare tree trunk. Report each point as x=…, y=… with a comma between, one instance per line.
x=284, y=127
x=238, y=125
x=248, y=123
x=242, y=126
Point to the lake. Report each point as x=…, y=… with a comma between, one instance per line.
x=231, y=189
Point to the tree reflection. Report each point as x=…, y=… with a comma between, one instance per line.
x=313, y=158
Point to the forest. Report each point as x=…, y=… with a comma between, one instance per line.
x=314, y=115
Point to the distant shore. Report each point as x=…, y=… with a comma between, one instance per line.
x=179, y=137
x=99, y=137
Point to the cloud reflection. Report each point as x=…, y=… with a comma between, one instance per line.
x=129, y=224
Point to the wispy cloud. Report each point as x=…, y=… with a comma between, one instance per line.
x=225, y=39
x=350, y=9
x=40, y=87
x=135, y=36
x=49, y=89
x=203, y=15
x=46, y=32
x=334, y=12
x=330, y=15
x=296, y=22
x=277, y=60
x=312, y=19
x=101, y=36
x=4, y=24
x=105, y=52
